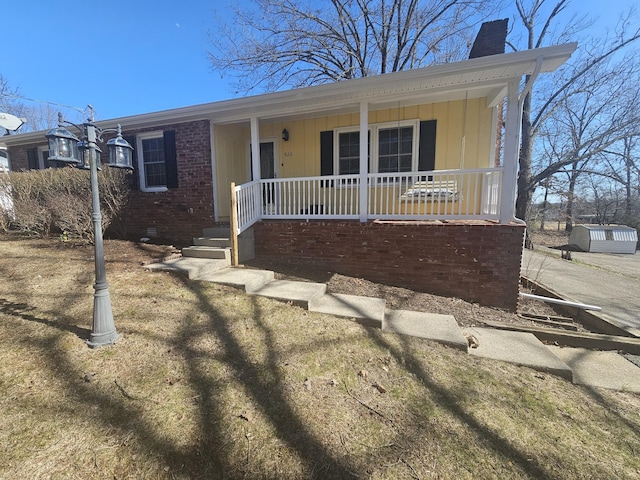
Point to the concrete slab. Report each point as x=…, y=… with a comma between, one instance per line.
x=298, y=293
x=433, y=326
x=247, y=279
x=212, y=242
x=516, y=347
x=191, y=266
x=366, y=310
x=198, y=251
x=600, y=369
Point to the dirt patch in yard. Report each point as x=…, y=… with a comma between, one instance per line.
x=397, y=298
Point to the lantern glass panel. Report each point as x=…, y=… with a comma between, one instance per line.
x=120, y=156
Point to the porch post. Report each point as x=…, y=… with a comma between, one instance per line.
x=364, y=161
x=255, y=148
x=511, y=149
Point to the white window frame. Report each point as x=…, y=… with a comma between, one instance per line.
x=143, y=179
x=42, y=162
x=374, y=130
x=5, y=154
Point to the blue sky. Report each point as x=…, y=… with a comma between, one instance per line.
x=131, y=57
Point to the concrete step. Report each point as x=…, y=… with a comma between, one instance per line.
x=518, y=348
x=298, y=293
x=247, y=279
x=432, y=326
x=194, y=268
x=600, y=369
x=207, y=252
x=365, y=310
x=217, y=232
x=212, y=242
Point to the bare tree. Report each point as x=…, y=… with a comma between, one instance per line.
x=624, y=168
x=39, y=116
x=593, y=115
x=542, y=101
x=9, y=100
x=294, y=43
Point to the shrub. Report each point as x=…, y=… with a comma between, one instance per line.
x=60, y=198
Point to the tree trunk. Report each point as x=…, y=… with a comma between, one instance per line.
x=545, y=205
x=525, y=189
x=568, y=225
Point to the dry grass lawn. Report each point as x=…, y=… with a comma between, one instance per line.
x=209, y=383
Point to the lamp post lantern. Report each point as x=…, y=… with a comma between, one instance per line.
x=63, y=147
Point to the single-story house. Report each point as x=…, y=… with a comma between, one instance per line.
x=406, y=178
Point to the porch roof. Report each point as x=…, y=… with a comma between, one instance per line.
x=475, y=78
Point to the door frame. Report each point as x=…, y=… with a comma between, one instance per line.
x=276, y=156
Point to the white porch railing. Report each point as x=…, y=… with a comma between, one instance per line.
x=440, y=194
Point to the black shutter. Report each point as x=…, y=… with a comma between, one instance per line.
x=326, y=153
x=170, y=158
x=427, y=149
x=135, y=175
x=32, y=156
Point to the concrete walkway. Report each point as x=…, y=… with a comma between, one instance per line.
x=612, y=371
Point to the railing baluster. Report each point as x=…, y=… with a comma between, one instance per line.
x=419, y=195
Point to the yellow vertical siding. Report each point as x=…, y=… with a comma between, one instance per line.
x=300, y=156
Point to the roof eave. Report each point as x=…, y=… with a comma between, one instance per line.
x=505, y=67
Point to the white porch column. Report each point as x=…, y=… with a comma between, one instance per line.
x=255, y=148
x=511, y=150
x=364, y=161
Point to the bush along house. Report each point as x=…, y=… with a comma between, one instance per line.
x=406, y=178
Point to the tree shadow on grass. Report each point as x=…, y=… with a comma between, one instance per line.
x=208, y=455
x=22, y=310
x=263, y=384
x=451, y=403
x=600, y=398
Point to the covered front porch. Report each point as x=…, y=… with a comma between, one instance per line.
x=407, y=178
x=439, y=143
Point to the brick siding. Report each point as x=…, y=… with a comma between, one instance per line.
x=178, y=214
x=476, y=261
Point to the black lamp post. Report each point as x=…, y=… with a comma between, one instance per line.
x=63, y=147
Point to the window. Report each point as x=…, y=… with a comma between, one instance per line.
x=4, y=161
x=395, y=150
x=156, y=161
x=153, y=168
x=406, y=146
x=349, y=152
x=43, y=159
x=392, y=148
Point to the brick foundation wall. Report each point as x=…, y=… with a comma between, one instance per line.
x=476, y=261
